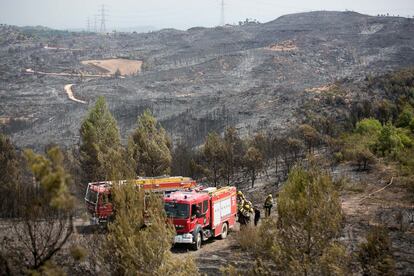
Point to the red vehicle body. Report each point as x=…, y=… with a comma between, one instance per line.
x=200, y=215
x=98, y=194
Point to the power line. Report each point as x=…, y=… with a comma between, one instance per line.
x=95, y=26
x=103, y=20
x=222, y=21
x=88, y=25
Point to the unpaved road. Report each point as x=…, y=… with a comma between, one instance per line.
x=61, y=49
x=31, y=71
x=215, y=254
x=68, y=90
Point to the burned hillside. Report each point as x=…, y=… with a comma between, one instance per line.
x=194, y=81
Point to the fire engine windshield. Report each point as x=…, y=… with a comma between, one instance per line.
x=177, y=210
x=91, y=196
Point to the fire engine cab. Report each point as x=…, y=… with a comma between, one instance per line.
x=98, y=197
x=200, y=215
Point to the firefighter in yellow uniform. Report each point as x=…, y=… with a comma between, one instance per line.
x=240, y=200
x=268, y=205
x=244, y=207
x=245, y=212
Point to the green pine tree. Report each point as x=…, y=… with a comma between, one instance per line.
x=253, y=163
x=102, y=155
x=309, y=220
x=46, y=221
x=9, y=177
x=54, y=181
x=214, y=155
x=389, y=140
x=310, y=136
x=139, y=240
x=150, y=147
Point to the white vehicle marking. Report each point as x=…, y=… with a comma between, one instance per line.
x=221, y=209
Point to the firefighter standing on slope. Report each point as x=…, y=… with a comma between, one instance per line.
x=256, y=215
x=240, y=200
x=268, y=205
x=245, y=213
x=245, y=208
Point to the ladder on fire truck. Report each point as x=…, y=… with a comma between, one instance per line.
x=158, y=184
x=165, y=183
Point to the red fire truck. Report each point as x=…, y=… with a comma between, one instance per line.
x=199, y=215
x=98, y=194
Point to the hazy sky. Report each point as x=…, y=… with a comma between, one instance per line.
x=180, y=14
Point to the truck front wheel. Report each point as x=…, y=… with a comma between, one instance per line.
x=197, y=242
x=224, y=231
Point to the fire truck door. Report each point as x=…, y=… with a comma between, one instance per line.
x=206, y=213
x=197, y=213
x=106, y=204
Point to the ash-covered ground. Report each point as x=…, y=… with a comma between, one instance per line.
x=252, y=76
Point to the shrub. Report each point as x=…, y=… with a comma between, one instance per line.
x=338, y=157
x=357, y=148
x=310, y=219
x=249, y=239
x=375, y=254
x=405, y=117
x=389, y=140
x=368, y=126
x=363, y=157
x=405, y=138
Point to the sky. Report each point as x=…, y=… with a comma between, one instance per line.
x=179, y=14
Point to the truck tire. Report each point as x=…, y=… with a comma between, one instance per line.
x=197, y=242
x=224, y=231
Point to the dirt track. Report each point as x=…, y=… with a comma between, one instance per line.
x=215, y=254
x=68, y=90
x=210, y=258
x=31, y=71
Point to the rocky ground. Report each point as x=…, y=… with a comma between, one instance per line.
x=252, y=76
x=378, y=198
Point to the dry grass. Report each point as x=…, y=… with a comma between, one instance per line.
x=249, y=239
